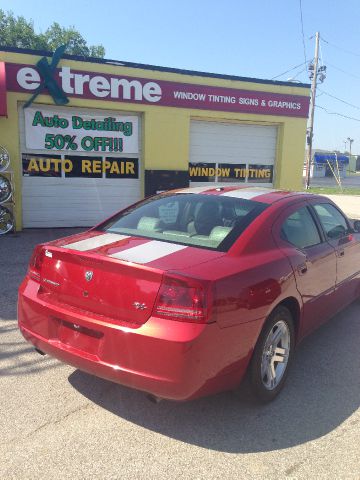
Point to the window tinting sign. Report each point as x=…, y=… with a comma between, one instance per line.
x=230, y=172
x=260, y=173
x=202, y=172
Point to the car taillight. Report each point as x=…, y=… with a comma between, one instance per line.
x=35, y=263
x=182, y=299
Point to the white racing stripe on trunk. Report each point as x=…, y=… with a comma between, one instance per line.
x=197, y=189
x=248, y=194
x=147, y=252
x=95, y=242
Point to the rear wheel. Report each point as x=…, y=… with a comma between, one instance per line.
x=272, y=355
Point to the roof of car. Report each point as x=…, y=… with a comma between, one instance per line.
x=259, y=194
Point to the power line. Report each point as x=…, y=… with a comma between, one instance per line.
x=302, y=30
x=290, y=70
x=296, y=74
x=338, y=114
x=340, y=99
x=300, y=72
x=344, y=71
x=340, y=48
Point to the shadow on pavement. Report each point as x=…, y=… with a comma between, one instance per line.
x=322, y=391
x=18, y=358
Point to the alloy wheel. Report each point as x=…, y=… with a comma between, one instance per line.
x=275, y=355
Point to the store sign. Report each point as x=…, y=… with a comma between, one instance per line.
x=74, y=166
x=47, y=129
x=228, y=172
x=116, y=88
x=3, y=104
x=49, y=81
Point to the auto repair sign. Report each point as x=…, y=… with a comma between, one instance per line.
x=116, y=88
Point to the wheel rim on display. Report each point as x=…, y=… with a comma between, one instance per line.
x=275, y=355
x=5, y=189
x=6, y=221
x=4, y=159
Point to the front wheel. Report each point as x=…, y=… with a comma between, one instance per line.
x=272, y=355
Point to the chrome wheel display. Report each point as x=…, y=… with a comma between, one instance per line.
x=4, y=159
x=275, y=355
x=6, y=221
x=5, y=189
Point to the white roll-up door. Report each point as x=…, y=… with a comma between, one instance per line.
x=232, y=153
x=70, y=187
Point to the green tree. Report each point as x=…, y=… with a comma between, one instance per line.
x=19, y=32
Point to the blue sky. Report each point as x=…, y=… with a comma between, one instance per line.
x=258, y=38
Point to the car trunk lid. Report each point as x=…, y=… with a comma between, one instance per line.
x=111, y=289
x=117, y=278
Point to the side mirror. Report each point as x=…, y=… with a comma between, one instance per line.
x=337, y=232
x=357, y=225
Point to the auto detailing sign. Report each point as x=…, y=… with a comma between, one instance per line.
x=47, y=129
x=115, y=88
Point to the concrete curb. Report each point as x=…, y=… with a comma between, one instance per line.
x=349, y=204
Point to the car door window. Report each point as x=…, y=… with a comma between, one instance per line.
x=333, y=222
x=300, y=230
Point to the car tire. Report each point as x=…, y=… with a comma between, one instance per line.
x=272, y=355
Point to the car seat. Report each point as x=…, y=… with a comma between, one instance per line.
x=206, y=219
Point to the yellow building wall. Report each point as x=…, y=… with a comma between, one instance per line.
x=165, y=130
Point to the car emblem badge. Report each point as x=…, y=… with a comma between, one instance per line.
x=139, y=306
x=89, y=275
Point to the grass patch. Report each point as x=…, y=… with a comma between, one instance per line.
x=334, y=190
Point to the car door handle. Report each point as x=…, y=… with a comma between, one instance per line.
x=302, y=269
x=340, y=253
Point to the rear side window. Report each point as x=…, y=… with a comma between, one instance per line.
x=208, y=221
x=333, y=222
x=300, y=230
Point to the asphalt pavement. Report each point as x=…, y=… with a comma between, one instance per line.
x=57, y=422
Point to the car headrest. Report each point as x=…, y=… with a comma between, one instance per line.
x=219, y=233
x=149, y=223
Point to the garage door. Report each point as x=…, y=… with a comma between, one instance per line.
x=232, y=153
x=79, y=166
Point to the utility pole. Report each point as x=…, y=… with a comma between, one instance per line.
x=350, y=140
x=312, y=108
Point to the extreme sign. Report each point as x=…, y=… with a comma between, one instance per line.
x=78, y=166
x=119, y=88
x=67, y=129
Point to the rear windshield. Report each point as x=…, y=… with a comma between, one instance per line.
x=206, y=221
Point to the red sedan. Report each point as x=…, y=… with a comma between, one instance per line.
x=183, y=293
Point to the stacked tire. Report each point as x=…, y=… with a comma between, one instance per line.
x=7, y=223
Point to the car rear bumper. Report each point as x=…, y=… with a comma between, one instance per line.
x=169, y=359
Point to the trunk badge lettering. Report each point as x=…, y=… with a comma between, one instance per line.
x=139, y=306
x=56, y=284
x=89, y=275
